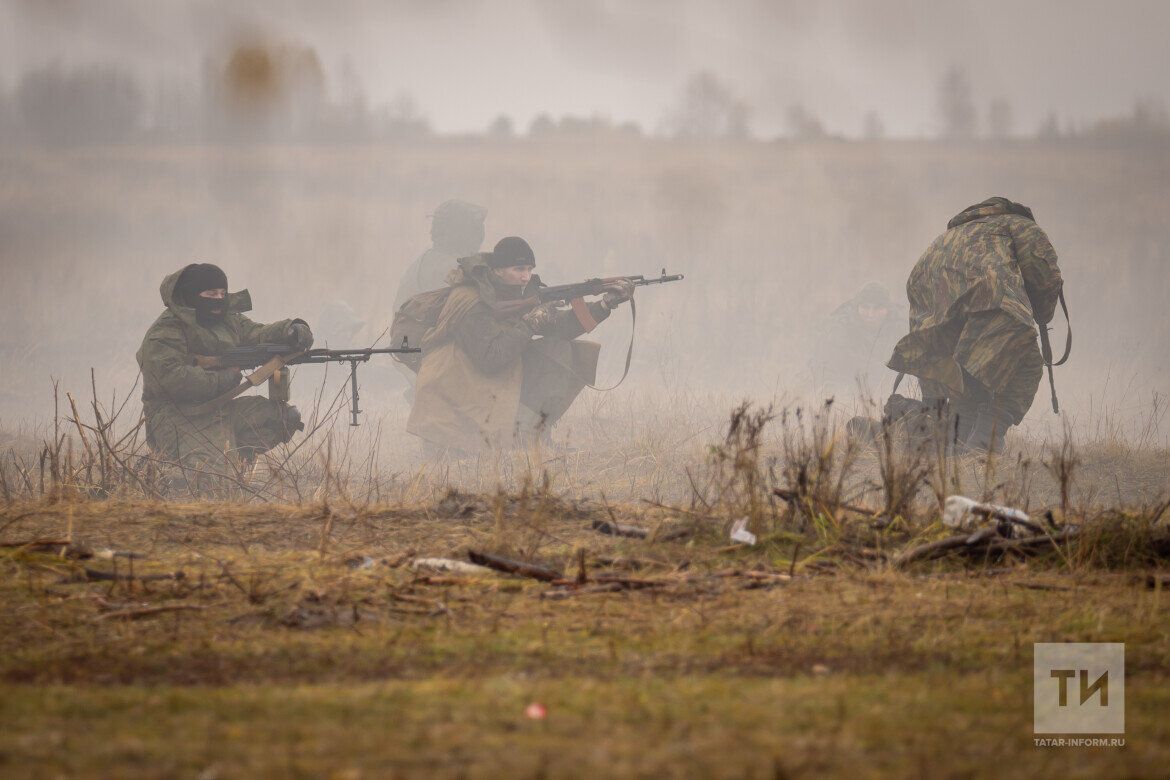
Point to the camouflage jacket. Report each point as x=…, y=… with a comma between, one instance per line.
x=490, y=340
x=992, y=259
x=470, y=378
x=166, y=357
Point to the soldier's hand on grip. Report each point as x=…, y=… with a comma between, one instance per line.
x=299, y=336
x=618, y=293
x=227, y=378
x=539, y=319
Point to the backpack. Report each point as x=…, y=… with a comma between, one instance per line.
x=413, y=319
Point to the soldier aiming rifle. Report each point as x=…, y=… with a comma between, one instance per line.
x=502, y=358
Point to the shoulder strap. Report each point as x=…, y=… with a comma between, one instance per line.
x=629, y=351
x=1068, y=331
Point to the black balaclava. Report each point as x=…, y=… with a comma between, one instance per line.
x=194, y=280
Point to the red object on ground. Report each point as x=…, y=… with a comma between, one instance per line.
x=536, y=711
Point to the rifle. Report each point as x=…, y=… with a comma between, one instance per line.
x=574, y=294
x=567, y=292
x=270, y=360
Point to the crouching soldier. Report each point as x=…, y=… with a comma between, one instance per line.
x=184, y=422
x=977, y=295
x=497, y=368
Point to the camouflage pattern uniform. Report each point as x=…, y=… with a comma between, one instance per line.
x=848, y=348
x=976, y=296
x=173, y=387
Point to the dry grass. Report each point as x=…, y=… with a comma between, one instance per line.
x=298, y=640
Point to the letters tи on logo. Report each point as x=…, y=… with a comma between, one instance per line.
x=1079, y=688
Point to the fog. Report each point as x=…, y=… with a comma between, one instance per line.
x=468, y=60
x=325, y=196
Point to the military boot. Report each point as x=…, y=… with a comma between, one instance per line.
x=987, y=430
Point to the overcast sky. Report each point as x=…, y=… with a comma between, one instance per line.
x=466, y=61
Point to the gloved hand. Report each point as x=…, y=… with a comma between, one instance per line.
x=299, y=336
x=618, y=293
x=228, y=378
x=539, y=319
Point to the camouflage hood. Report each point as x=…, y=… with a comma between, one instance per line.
x=170, y=378
x=992, y=207
x=976, y=293
x=235, y=303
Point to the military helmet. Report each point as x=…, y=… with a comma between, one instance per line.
x=873, y=294
x=459, y=225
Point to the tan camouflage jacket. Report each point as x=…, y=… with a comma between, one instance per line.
x=993, y=258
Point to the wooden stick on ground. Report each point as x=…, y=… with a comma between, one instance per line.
x=523, y=568
x=93, y=575
x=141, y=612
x=930, y=550
x=612, y=528
x=609, y=587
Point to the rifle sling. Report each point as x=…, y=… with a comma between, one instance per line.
x=584, y=316
x=1046, y=351
x=629, y=352
x=510, y=308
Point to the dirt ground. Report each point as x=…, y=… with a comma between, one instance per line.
x=267, y=640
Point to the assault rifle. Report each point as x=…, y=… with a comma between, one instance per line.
x=569, y=292
x=575, y=294
x=270, y=360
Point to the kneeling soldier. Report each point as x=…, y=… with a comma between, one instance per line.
x=498, y=369
x=202, y=320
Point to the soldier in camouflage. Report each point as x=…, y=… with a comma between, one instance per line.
x=499, y=370
x=854, y=341
x=202, y=319
x=976, y=296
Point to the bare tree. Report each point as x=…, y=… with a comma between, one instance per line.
x=7, y=116
x=95, y=104
x=709, y=109
x=956, y=107
x=501, y=127
x=1000, y=119
x=1049, y=129
x=802, y=124
x=873, y=128
x=1147, y=124
x=541, y=125
x=401, y=119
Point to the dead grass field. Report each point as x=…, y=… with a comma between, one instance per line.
x=299, y=641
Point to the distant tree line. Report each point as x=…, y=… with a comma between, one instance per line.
x=278, y=93
x=256, y=93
